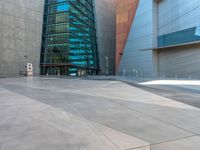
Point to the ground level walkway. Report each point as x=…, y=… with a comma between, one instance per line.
x=82, y=114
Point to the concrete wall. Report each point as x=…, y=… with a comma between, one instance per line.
x=106, y=33
x=138, y=58
x=20, y=35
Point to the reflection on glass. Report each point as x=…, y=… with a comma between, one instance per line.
x=69, y=38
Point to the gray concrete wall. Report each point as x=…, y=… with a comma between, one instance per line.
x=106, y=33
x=20, y=35
x=138, y=58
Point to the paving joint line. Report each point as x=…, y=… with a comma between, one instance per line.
x=138, y=147
x=93, y=125
x=160, y=120
x=154, y=118
x=178, y=139
x=105, y=136
x=110, y=99
x=11, y=127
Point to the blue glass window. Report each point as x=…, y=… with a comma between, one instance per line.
x=69, y=38
x=64, y=7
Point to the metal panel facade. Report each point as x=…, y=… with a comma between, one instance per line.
x=135, y=60
x=159, y=24
x=125, y=13
x=179, y=25
x=180, y=62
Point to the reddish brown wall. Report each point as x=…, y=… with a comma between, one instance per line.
x=125, y=13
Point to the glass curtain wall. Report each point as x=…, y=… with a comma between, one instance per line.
x=69, y=38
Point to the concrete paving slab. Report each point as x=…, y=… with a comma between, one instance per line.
x=187, y=119
x=142, y=148
x=188, y=94
x=130, y=122
x=49, y=114
x=46, y=128
x=190, y=143
x=121, y=140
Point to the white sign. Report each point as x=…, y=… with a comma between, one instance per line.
x=197, y=30
x=29, y=69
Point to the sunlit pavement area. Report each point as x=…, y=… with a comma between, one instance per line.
x=185, y=91
x=83, y=114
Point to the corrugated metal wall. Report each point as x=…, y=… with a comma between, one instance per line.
x=182, y=62
x=179, y=16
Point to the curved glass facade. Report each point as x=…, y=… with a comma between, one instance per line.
x=69, y=38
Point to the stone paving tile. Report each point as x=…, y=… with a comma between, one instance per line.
x=142, y=148
x=47, y=128
x=49, y=114
x=190, y=143
x=121, y=140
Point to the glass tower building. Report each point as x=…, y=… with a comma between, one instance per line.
x=69, y=44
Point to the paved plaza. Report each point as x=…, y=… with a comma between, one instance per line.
x=82, y=114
